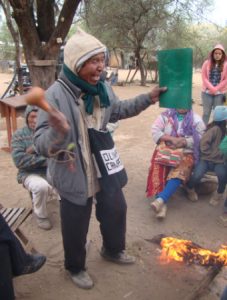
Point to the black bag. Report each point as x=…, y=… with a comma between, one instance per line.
x=110, y=171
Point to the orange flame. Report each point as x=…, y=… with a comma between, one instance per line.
x=187, y=251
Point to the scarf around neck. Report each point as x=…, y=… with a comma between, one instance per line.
x=90, y=90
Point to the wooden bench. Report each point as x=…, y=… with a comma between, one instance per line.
x=15, y=217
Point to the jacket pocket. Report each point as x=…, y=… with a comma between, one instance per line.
x=67, y=177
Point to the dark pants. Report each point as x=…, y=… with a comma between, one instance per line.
x=110, y=212
x=204, y=166
x=224, y=294
x=6, y=276
x=13, y=258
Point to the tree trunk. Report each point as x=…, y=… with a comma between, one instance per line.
x=42, y=76
x=18, y=64
x=116, y=56
x=41, y=38
x=16, y=38
x=141, y=67
x=122, y=59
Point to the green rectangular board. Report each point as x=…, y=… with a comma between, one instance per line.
x=175, y=72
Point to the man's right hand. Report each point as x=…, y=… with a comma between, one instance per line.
x=155, y=93
x=58, y=121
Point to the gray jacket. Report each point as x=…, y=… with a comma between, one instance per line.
x=73, y=185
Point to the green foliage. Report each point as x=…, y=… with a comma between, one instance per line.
x=152, y=25
x=80, y=23
x=203, y=37
x=124, y=24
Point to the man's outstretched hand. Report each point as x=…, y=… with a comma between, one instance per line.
x=156, y=91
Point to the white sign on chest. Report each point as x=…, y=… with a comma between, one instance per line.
x=111, y=161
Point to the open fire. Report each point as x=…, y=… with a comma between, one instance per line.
x=187, y=251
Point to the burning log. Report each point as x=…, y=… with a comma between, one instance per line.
x=186, y=251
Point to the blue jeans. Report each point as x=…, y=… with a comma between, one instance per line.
x=209, y=102
x=204, y=166
x=170, y=188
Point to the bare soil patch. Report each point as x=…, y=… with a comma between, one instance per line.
x=147, y=279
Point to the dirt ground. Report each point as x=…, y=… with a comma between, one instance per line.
x=148, y=279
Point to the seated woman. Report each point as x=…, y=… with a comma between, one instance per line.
x=178, y=128
x=211, y=158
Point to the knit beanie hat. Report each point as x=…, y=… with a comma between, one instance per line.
x=220, y=113
x=79, y=48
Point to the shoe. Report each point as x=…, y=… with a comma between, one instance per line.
x=43, y=223
x=162, y=212
x=216, y=199
x=157, y=205
x=37, y=261
x=121, y=258
x=82, y=280
x=192, y=196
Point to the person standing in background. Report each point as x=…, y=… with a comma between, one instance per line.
x=214, y=81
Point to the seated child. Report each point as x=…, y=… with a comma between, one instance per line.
x=211, y=158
